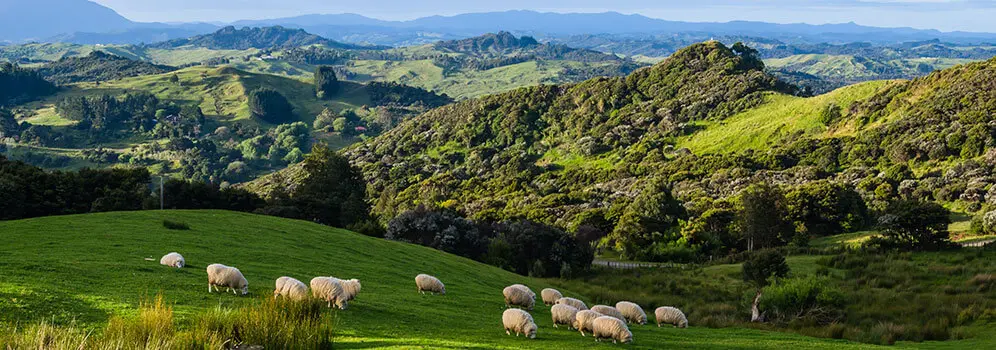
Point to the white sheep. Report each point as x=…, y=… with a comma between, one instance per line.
x=563, y=314
x=173, y=259
x=577, y=304
x=525, y=288
x=517, y=296
x=672, y=316
x=550, y=296
x=520, y=322
x=608, y=311
x=226, y=276
x=292, y=288
x=633, y=312
x=426, y=283
x=607, y=327
x=351, y=287
x=330, y=290
x=583, y=319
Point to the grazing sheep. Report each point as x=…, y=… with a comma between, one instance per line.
x=290, y=288
x=225, y=276
x=563, y=314
x=550, y=296
x=516, y=296
x=330, y=290
x=583, y=319
x=351, y=287
x=520, y=322
x=525, y=288
x=426, y=283
x=173, y=259
x=672, y=316
x=607, y=327
x=633, y=312
x=577, y=304
x=608, y=311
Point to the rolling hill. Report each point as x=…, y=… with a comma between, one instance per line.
x=89, y=267
x=230, y=38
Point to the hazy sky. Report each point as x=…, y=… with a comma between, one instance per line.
x=948, y=15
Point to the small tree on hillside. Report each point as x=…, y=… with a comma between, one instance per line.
x=652, y=215
x=326, y=82
x=914, y=225
x=334, y=192
x=270, y=106
x=760, y=270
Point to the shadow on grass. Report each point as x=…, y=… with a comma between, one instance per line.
x=21, y=305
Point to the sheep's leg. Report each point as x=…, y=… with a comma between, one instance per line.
x=209, y=287
x=555, y=325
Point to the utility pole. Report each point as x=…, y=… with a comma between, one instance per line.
x=162, y=194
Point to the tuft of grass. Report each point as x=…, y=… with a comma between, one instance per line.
x=176, y=225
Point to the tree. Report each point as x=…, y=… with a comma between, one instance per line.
x=326, y=83
x=323, y=122
x=174, y=79
x=269, y=105
x=760, y=269
x=8, y=125
x=652, y=215
x=440, y=229
x=763, y=215
x=826, y=208
x=333, y=193
x=914, y=225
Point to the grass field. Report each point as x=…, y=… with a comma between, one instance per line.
x=89, y=267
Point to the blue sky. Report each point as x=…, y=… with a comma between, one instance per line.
x=948, y=15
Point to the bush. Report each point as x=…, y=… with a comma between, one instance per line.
x=912, y=225
x=812, y=299
x=175, y=225
x=440, y=229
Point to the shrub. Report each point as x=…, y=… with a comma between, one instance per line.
x=175, y=225
x=812, y=299
x=270, y=106
x=912, y=225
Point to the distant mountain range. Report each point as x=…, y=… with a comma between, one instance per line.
x=230, y=38
x=85, y=22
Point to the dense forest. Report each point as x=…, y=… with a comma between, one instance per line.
x=601, y=155
x=19, y=85
x=96, y=67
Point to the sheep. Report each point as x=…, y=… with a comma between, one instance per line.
x=516, y=296
x=550, y=296
x=563, y=314
x=330, y=290
x=525, y=288
x=351, y=287
x=633, y=312
x=229, y=277
x=608, y=311
x=290, y=288
x=426, y=283
x=577, y=304
x=520, y=322
x=173, y=259
x=607, y=327
x=583, y=319
x=672, y=316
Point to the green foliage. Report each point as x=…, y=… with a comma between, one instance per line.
x=99, y=66
x=912, y=225
x=334, y=192
x=824, y=208
x=814, y=300
x=270, y=106
x=764, y=267
x=326, y=82
x=763, y=217
x=19, y=85
x=651, y=218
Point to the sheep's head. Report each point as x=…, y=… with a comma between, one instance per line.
x=530, y=330
x=442, y=290
x=342, y=304
x=244, y=290
x=683, y=324
x=627, y=337
x=642, y=320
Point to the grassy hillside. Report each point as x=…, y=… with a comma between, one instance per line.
x=779, y=117
x=220, y=92
x=88, y=267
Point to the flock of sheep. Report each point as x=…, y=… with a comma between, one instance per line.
x=602, y=321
